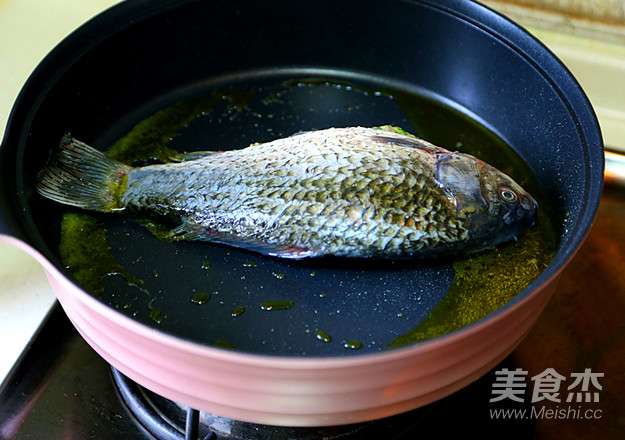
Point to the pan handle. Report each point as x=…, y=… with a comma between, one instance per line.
x=615, y=167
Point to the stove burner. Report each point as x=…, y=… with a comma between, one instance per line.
x=168, y=420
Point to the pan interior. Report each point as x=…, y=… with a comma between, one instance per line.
x=218, y=295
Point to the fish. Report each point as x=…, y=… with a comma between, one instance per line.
x=357, y=192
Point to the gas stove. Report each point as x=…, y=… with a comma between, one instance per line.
x=61, y=389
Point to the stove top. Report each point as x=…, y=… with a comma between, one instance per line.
x=61, y=389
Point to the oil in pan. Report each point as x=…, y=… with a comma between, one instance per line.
x=236, y=299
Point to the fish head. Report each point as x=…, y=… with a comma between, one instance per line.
x=512, y=206
x=493, y=206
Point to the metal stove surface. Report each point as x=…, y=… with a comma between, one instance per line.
x=61, y=389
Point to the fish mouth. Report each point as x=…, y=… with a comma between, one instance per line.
x=528, y=205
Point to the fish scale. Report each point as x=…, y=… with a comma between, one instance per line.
x=352, y=192
x=355, y=179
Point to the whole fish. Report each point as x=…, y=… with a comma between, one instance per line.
x=348, y=192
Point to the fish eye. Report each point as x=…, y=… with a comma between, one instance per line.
x=507, y=195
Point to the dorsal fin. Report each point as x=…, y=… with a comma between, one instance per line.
x=410, y=142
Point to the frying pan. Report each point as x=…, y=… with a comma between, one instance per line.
x=301, y=66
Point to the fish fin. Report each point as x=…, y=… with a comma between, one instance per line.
x=192, y=155
x=188, y=231
x=410, y=142
x=394, y=129
x=79, y=175
x=299, y=133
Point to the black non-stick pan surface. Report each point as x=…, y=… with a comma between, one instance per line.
x=350, y=302
x=300, y=67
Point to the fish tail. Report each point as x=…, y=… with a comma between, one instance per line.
x=79, y=175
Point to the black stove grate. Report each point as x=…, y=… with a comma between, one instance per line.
x=168, y=420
